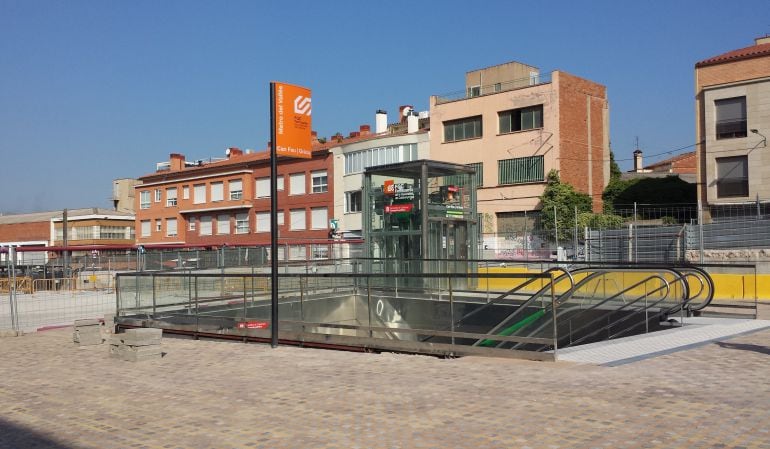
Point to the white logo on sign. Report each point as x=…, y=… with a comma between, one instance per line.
x=302, y=105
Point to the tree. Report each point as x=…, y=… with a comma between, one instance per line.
x=559, y=201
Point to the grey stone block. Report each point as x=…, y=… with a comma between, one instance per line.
x=131, y=340
x=87, y=339
x=89, y=322
x=135, y=353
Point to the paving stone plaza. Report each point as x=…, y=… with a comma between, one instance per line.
x=214, y=394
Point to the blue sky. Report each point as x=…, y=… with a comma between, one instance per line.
x=96, y=90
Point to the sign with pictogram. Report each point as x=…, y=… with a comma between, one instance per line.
x=396, y=208
x=252, y=325
x=291, y=112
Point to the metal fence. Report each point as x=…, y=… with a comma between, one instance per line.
x=645, y=233
x=37, y=290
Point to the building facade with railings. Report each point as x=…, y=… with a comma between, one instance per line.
x=407, y=139
x=226, y=202
x=87, y=228
x=515, y=124
x=732, y=101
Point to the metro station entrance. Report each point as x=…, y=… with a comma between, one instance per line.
x=420, y=217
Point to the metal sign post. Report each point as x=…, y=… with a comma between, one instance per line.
x=290, y=109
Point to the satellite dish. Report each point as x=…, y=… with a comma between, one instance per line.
x=406, y=111
x=227, y=152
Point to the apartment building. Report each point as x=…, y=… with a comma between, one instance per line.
x=227, y=201
x=407, y=139
x=515, y=124
x=732, y=102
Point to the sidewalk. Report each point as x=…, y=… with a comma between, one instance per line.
x=211, y=394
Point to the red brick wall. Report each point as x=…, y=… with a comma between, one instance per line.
x=575, y=95
x=19, y=232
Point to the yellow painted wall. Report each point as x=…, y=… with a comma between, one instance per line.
x=726, y=286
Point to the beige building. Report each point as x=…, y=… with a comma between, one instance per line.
x=406, y=140
x=732, y=101
x=514, y=125
x=123, y=194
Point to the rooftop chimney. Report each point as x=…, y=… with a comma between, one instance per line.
x=380, y=121
x=176, y=162
x=365, y=130
x=233, y=152
x=404, y=111
x=412, y=122
x=638, y=165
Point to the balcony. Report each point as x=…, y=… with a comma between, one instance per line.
x=490, y=89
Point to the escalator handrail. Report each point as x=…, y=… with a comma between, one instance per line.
x=665, y=285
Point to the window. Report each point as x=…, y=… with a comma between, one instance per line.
x=263, y=187
x=241, y=223
x=319, y=251
x=521, y=119
x=223, y=224
x=353, y=201
x=467, y=128
x=357, y=161
x=112, y=232
x=191, y=224
x=146, y=225
x=205, y=225
x=479, y=176
x=171, y=227
x=320, y=181
x=217, y=191
x=158, y=225
x=732, y=176
x=171, y=197
x=297, y=184
x=498, y=87
x=186, y=192
x=279, y=187
x=263, y=221
x=236, y=189
x=319, y=218
x=144, y=199
x=731, y=117
x=474, y=91
x=199, y=194
x=520, y=170
x=297, y=219
x=158, y=195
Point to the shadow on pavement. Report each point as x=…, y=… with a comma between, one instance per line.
x=745, y=347
x=13, y=435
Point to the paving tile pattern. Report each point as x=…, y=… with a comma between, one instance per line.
x=206, y=394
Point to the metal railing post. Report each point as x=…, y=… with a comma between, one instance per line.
x=369, y=303
x=451, y=310
x=553, y=315
x=197, y=311
x=153, y=296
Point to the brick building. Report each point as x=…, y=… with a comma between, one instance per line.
x=514, y=125
x=227, y=201
x=732, y=100
x=88, y=227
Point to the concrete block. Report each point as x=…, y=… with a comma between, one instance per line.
x=135, y=353
x=87, y=339
x=89, y=322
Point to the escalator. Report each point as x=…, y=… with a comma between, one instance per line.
x=587, y=311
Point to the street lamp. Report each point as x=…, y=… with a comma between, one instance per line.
x=764, y=139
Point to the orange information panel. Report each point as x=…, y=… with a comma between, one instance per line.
x=291, y=110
